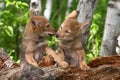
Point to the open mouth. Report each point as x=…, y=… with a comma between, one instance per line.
x=50, y=34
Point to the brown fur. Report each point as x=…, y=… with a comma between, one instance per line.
x=34, y=44
x=70, y=46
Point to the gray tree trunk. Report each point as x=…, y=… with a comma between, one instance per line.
x=35, y=7
x=112, y=29
x=48, y=9
x=118, y=46
x=69, y=5
x=2, y=5
x=86, y=10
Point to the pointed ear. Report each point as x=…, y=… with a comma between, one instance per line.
x=82, y=25
x=73, y=15
x=34, y=22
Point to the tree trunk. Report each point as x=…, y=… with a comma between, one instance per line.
x=35, y=7
x=118, y=47
x=48, y=9
x=112, y=29
x=69, y=5
x=2, y=5
x=86, y=10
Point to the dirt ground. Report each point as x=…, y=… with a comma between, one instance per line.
x=102, y=68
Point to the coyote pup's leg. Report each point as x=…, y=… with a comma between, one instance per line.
x=30, y=59
x=57, y=58
x=82, y=60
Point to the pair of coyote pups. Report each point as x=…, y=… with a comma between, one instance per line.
x=70, y=50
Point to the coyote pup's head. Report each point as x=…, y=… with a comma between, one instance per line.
x=70, y=28
x=41, y=26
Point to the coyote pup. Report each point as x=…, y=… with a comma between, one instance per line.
x=34, y=44
x=70, y=47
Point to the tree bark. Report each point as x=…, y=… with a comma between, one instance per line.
x=86, y=10
x=35, y=7
x=118, y=45
x=2, y=5
x=69, y=5
x=48, y=9
x=112, y=29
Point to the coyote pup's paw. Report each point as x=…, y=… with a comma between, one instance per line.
x=64, y=64
x=84, y=67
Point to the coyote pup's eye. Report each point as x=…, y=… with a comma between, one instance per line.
x=68, y=31
x=60, y=27
x=47, y=25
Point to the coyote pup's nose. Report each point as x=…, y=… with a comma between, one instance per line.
x=57, y=35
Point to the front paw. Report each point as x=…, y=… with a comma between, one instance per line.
x=84, y=67
x=64, y=64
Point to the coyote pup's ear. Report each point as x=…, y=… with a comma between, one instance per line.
x=34, y=22
x=73, y=15
x=83, y=25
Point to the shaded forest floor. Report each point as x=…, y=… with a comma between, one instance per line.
x=102, y=68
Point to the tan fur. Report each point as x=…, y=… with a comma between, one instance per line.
x=34, y=44
x=70, y=47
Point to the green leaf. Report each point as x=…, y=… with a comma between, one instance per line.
x=9, y=31
x=90, y=55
